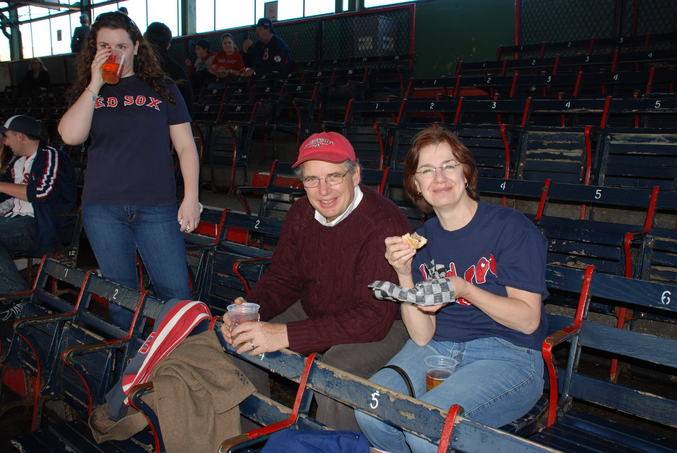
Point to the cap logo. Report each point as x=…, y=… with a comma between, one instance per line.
x=318, y=142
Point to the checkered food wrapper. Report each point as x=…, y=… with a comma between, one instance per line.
x=429, y=292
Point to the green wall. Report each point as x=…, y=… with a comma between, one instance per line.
x=451, y=30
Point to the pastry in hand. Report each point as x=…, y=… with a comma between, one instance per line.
x=415, y=240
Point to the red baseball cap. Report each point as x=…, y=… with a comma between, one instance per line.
x=327, y=146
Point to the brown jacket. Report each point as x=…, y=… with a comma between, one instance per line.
x=196, y=397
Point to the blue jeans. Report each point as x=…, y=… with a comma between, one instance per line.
x=495, y=382
x=17, y=236
x=117, y=232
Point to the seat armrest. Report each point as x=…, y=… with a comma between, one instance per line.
x=239, y=265
x=5, y=297
x=136, y=401
x=43, y=319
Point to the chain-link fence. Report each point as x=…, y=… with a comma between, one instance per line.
x=569, y=20
x=651, y=16
x=385, y=32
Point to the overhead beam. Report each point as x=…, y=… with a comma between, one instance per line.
x=44, y=4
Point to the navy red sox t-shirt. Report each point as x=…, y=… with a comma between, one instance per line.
x=130, y=157
x=499, y=247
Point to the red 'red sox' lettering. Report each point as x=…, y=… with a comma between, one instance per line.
x=129, y=100
x=154, y=103
x=476, y=273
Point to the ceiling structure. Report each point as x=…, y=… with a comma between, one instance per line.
x=43, y=3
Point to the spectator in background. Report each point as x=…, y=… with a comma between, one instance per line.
x=80, y=34
x=199, y=70
x=229, y=62
x=160, y=36
x=35, y=80
x=270, y=54
x=37, y=184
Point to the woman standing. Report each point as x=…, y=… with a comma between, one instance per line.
x=129, y=198
x=495, y=259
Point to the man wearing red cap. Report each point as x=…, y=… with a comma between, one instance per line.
x=331, y=247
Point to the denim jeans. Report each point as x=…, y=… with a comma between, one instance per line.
x=17, y=235
x=117, y=232
x=360, y=359
x=495, y=382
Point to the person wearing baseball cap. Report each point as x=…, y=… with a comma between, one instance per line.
x=270, y=54
x=314, y=295
x=38, y=183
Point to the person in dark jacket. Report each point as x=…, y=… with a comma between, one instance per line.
x=160, y=36
x=80, y=34
x=38, y=184
x=36, y=80
x=269, y=55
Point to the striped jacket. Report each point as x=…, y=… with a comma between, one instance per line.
x=52, y=189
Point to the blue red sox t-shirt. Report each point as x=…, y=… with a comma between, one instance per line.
x=499, y=247
x=130, y=157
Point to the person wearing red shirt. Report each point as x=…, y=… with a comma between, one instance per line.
x=229, y=62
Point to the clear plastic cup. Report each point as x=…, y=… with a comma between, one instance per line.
x=438, y=368
x=114, y=66
x=241, y=313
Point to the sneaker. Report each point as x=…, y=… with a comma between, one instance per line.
x=11, y=313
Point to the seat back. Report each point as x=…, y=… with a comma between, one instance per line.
x=639, y=159
x=240, y=258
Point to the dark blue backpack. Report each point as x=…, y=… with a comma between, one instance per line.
x=293, y=441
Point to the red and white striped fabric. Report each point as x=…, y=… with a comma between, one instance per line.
x=176, y=325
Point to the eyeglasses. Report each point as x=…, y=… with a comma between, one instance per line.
x=447, y=170
x=332, y=179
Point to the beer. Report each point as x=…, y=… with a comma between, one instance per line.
x=438, y=368
x=435, y=376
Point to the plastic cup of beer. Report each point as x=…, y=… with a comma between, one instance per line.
x=438, y=368
x=241, y=313
x=113, y=67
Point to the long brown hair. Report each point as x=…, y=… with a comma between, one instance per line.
x=432, y=136
x=146, y=65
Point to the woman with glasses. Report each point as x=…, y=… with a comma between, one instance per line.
x=129, y=197
x=495, y=260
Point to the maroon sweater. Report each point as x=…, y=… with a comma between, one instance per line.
x=328, y=269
